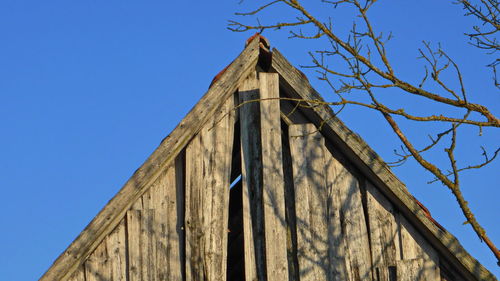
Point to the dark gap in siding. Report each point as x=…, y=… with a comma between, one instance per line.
x=293, y=263
x=392, y=273
x=397, y=215
x=364, y=204
x=180, y=180
x=127, y=262
x=85, y=271
x=235, y=243
x=236, y=155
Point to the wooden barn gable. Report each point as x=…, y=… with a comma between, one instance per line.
x=260, y=181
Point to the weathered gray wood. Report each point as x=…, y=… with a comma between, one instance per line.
x=141, y=245
x=97, y=266
x=115, y=210
x=384, y=233
x=273, y=183
x=411, y=270
x=365, y=159
x=116, y=249
x=348, y=217
x=251, y=178
x=308, y=162
x=413, y=246
x=208, y=171
x=161, y=198
x=79, y=274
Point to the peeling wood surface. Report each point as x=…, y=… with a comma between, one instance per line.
x=208, y=171
x=273, y=184
x=307, y=150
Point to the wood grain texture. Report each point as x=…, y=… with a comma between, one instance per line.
x=311, y=193
x=339, y=256
x=251, y=178
x=375, y=169
x=171, y=146
x=162, y=198
x=208, y=171
x=351, y=247
x=97, y=266
x=79, y=274
x=273, y=183
x=414, y=246
x=116, y=244
x=411, y=270
x=141, y=245
x=384, y=233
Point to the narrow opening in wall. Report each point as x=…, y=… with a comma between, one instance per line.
x=235, y=247
x=392, y=273
x=293, y=263
x=235, y=250
x=235, y=181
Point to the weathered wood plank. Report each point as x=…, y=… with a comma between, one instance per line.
x=208, y=171
x=308, y=162
x=339, y=256
x=141, y=245
x=414, y=246
x=350, y=248
x=411, y=270
x=97, y=267
x=365, y=159
x=79, y=274
x=171, y=146
x=273, y=183
x=116, y=249
x=251, y=178
x=162, y=198
x=384, y=233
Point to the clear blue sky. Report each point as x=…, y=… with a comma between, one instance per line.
x=88, y=89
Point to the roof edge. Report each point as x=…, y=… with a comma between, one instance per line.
x=372, y=164
x=107, y=219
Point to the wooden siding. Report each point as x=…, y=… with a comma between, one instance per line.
x=298, y=212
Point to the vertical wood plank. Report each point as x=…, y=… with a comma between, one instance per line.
x=273, y=182
x=97, y=267
x=116, y=249
x=134, y=245
x=162, y=198
x=415, y=246
x=208, y=171
x=384, y=233
x=142, y=249
x=350, y=247
x=251, y=176
x=307, y=150
x=411, y=270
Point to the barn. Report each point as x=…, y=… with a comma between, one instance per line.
x=260, y=181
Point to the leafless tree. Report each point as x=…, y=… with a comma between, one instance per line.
x=362, y=64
